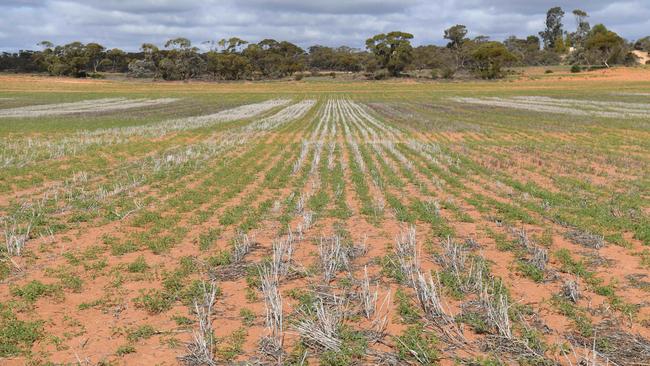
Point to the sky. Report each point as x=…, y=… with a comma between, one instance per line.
x=127, y=24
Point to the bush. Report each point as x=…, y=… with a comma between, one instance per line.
x=298, y=76
x=575, y=69
x=381, y=74
x=447, y=73
x=548, y=72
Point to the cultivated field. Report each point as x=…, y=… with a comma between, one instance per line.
x=325, y=222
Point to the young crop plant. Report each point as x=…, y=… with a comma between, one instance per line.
x=17, y=336
x=417, y=344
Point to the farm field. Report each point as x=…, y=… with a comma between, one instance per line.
x=326, y=222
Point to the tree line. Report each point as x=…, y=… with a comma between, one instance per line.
x=386, y=55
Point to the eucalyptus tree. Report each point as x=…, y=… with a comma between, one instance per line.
x=393, y=51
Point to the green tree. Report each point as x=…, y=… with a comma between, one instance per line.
x=642, y=44
x=489, y=58
x=183, y=61
x=149, y=65
x=526, y=50
x=393, y=50
x=458, y=44
x=116, y=59
x=554, y=26
x=604, y=46
x=582, y=29
x=70, y=59
x=96, y=55
x=227, y=66
x=232, y=45
x=275, y=59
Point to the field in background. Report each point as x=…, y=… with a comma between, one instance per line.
x=326, y=222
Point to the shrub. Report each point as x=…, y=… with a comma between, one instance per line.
x=298, y=76
x=381, y=74
x=575, y=68
x=447, y=73
x=548, y=71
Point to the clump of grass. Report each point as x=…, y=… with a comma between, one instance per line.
x=139, y=265
x=247, y=315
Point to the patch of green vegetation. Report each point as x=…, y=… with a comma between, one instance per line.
x=17, y=336
x=145, y=218
x=247, y=315
x=208, y=239
x=222, y=258
x=530, y=271
x=390, y=268
x=306, y=299
x=405, y=308
x=581, y=321
x=142, y=332
x=124, y=350
x=353, y=348
x=120, y=248
x=417, y=345
x=644, y=257
x=182, y=321
x=569, y=265
x=139, y=265
x=475, y=321
x=154, y=301
x=451, y=284
x=35, y=289
x=231, y=346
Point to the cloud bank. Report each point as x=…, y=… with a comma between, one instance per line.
x=128, y=24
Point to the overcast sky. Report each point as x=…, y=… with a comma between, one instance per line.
x=128, y=23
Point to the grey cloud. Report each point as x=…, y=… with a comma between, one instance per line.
x=127, y=24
